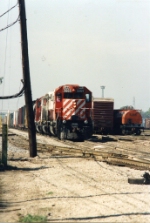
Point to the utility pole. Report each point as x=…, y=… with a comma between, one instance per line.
x=27, y=84
x=102, y=87
x=133, y=102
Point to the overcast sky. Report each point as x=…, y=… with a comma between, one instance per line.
x=86, y=42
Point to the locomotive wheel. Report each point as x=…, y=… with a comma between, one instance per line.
x=138, y=132
x=88, y=134
x=58, y=134
x=136, y=180
x=44, y=129
x=59, y=129
x=123, y=131
x=62, y=135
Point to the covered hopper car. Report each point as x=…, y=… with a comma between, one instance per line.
x=127, y=121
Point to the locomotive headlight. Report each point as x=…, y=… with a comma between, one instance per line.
x=86, y=121
x=64, y=121
x=74, y=105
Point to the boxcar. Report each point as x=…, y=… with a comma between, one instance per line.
x=102, y=115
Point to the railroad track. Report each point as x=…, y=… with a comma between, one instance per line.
x=127, y=151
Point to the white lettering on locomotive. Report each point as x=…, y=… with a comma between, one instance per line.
x=67, y=89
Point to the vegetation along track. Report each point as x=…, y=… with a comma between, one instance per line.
x=131, y=151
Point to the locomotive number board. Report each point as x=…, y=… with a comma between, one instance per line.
x=80, y=89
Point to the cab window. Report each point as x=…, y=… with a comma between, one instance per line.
x=58, y=97
x=88, y=97
x=38, y=104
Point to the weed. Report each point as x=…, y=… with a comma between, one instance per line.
x=50, y=193
x=33, y=218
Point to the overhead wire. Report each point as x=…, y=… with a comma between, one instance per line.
x=21, y=92
x=8, y=13
x=5, y=51
x=9, y=10
x=18, y=19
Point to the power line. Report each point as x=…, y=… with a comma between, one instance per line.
x=21, y=92
x=9, y=10
x=6, y=47
x=10, y=24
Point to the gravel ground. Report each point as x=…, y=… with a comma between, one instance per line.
x=70, y=189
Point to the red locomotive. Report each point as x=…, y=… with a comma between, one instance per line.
x=65, y=112
x=127, y=121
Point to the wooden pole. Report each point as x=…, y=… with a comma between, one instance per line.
x=27, y=84
x=4, y=144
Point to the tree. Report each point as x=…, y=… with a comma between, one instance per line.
x=146, y=114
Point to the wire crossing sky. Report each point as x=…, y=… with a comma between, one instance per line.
x=92, y=43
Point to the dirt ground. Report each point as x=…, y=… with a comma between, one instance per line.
x=64, y=188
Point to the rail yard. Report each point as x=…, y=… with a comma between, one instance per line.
x=68, y=156
x=73, y=181
x=132, y=151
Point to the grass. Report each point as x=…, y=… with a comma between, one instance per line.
x=33, y=218
x=50, y=193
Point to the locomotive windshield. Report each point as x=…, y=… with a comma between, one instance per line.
x=73, y=95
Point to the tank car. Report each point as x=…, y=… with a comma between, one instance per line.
x=65, y=112
x=127, y=121
x=102, y=115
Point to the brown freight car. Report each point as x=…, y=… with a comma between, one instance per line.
x=102, y=115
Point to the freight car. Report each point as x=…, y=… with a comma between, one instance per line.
x=65, y=112
x=102, y=115
x=127, y=121
x=147, y=123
